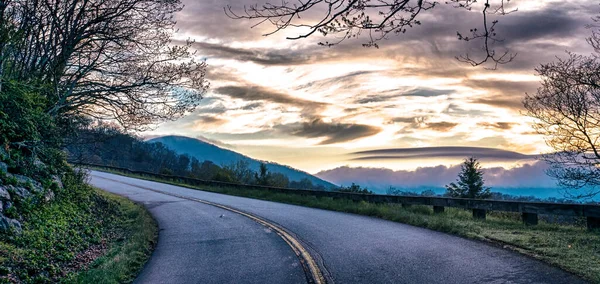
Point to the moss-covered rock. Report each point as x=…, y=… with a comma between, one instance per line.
x=8, y=224
x=4, y=194
x=33, y=185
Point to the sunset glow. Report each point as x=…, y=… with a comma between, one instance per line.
x=297, y=103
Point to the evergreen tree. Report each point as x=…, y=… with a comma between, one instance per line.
x=470, y=182
x=262, y=178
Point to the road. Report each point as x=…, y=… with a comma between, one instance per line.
x=200, y=243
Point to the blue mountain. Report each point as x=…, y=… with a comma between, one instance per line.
x=205, y=151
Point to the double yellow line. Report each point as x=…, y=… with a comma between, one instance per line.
x=312, y=270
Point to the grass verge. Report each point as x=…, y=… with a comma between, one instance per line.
x=84, y=236
x=128, y=253
x=571, y=248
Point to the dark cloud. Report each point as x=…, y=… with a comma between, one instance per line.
x=424, y=92
x=257, y=93
x=440, y=126
x=252, y=106
x=502, y=87
x=209, y=119
x=331, y=132
x=441, y=152
x=261, y=56
x=207, y=18
x=334, y=132
x=506, y=102
x=346, y=81
x=375, y=99
x=456, y=110
x=504, y=94
x=559, y=21
x=416, y=92
x=498, y=125
x=218, y=108
x=221, y=73
x=406, y=120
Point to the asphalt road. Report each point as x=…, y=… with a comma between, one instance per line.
x=200, y=243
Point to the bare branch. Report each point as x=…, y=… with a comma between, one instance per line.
x=567, y=110
x=351, y=18
x=103, y=58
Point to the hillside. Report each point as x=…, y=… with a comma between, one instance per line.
x=207, y=151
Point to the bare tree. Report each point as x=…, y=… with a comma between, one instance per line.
x=377, y=18
x=567, y=112
x=105, y=59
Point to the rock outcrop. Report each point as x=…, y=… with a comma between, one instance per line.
x=8, y=224
x=16, y=189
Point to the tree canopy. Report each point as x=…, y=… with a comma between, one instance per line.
x=106, y=59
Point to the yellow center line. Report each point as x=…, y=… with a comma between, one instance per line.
x=311, y=268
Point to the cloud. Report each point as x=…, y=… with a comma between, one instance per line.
x=346, y=81
x=411, y=120
x=425, y=92
x=209, y=119
x=458, y=111
x=498, y=125
x=559, y=21
x=262, y=56
x=502, y=87
x=206, y=18
x=334, y=132
x=257, y=135
x=509, y=103
x=414, y=92
x=440, y=126
x=441, y=152
x=375, y=98
x=215, y=142
x=252, y=106
x=258, y=93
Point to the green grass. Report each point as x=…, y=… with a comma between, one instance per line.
x=84, y=236
x=572, y=248
x=127, y=254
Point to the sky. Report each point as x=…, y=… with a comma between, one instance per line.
x=320, y=108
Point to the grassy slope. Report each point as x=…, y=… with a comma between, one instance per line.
x=84, y=236
x=572, y=248
x=128, y=253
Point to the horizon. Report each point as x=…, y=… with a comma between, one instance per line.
x=525, y=180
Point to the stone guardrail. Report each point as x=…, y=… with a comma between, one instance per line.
x=528, y=210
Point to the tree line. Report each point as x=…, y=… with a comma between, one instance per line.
x=108, y=145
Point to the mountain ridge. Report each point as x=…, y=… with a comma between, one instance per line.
x=204, y=150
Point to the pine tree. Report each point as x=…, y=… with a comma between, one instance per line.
x=470, y=182
x=264, y=176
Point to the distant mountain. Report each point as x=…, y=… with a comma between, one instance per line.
x=207, y=151
x=521, y=180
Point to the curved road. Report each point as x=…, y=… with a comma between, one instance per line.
x=200, y=243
